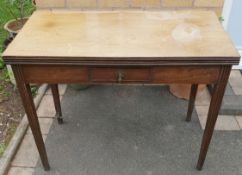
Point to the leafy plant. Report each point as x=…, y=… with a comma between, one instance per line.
x=5, y=75
x=2, y=64
x=221, y=19
x=34, y=90
x=12, y=9
x=18, y=9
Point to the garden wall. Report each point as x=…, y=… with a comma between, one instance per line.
x=215, y=5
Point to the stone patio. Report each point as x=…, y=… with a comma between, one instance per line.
x=232, y=102
x=27, y=156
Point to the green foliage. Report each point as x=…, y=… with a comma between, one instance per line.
x=10, y=9
x=5, y=75
x=10, y=131
x=3, y=92
x=2, y=64
x=1, y=89
x=17, y=8
x=221, y=19
x=2, y=148
x=34, y=90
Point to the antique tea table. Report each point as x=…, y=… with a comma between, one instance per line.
x=122, y=47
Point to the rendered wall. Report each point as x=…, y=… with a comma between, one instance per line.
x=215, y=5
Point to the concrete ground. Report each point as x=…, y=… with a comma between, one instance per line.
x=129, y=130
x=111, y=130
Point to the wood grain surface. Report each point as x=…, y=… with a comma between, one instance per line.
x=193, y=36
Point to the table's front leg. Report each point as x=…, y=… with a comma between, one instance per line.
x=25, y=93
x=216, y=101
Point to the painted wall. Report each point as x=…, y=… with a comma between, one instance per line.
x=232, y=13
x=235, y=24
x=215, y=5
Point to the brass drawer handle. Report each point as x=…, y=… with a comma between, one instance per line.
x=120, y=76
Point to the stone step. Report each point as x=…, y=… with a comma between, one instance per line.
x=232, y=105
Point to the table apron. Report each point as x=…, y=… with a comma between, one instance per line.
x=120, y=74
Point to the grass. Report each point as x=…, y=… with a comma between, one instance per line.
x=11, y=130
x=2, y=148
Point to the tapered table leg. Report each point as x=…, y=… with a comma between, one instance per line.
x=25, y=93
x=218, y=93
x=191, y=102
x=56, y=97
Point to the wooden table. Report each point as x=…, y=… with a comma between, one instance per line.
x=122, y=47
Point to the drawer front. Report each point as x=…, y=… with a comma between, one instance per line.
x=96, y=75
x=120, y=75
x=55, y=74
x=136, y=75
x=102, y=75
x=185, y=74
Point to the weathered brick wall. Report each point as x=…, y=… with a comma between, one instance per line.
x=215, y=5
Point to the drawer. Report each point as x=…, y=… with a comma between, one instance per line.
x=185, y=74
x=119, y=75
x=55, y=74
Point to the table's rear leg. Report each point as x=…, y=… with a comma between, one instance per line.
x=25, y=93
x=215, y=104
x=56, y=97
x=191, y=102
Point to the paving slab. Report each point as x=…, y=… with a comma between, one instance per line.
x=235, y=78
x=202, y=110
x=229, y=90
x=237, y=90
x=61, y=87
x=239, y=120
x=112, y=130
x=45, y=124
x=203, y=98
x=232, y=101
x=20, y=171
x=232, y=105
x=46, y=107
x=27, y=155
x=224, y=123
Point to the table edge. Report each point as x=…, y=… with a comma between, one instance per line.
x=233, y=60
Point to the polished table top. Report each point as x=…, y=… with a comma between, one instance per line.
x=112, y=35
